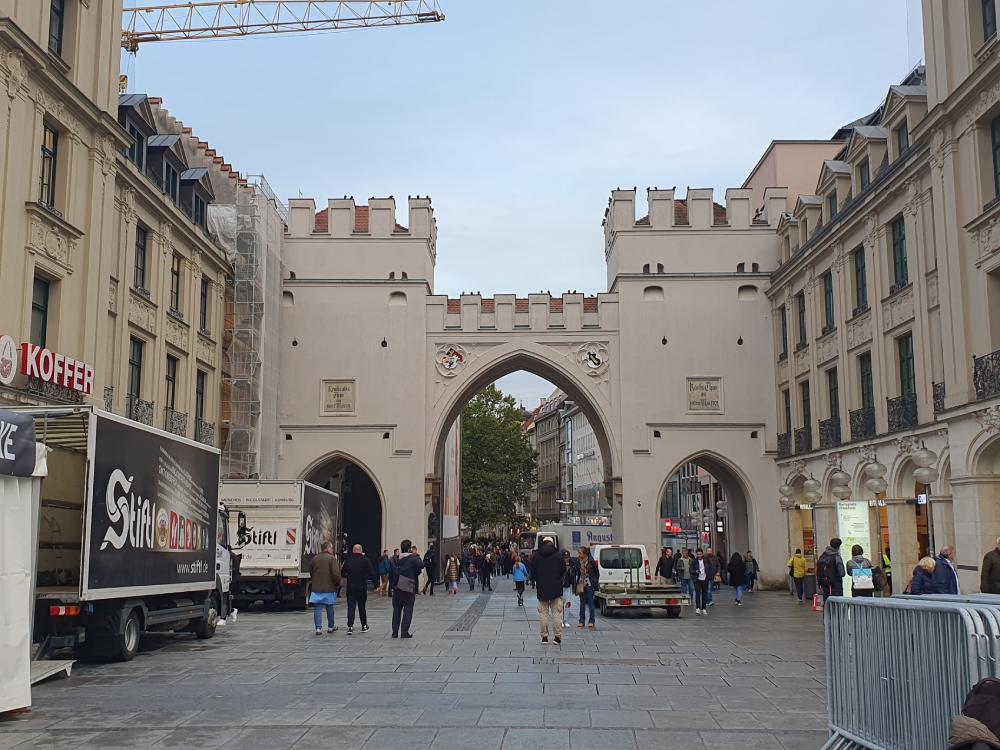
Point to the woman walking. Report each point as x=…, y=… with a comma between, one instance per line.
x=587, y=579
x=699, y=574
x=738, y=576
x=452, y=572
x=862, y=583
x=520, y=572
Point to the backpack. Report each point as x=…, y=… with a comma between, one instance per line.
x=826, y=570
x=983, y=704
x=879, y=579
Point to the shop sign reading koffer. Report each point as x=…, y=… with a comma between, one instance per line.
x=45, y=365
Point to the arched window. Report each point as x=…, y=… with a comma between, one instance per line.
x=741, y=268
x=645, y=268
x=659, y=268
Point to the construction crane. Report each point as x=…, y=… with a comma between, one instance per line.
x=234, y=18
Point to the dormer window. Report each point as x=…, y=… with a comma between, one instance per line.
x=137, y=151
x=989, y=19
x=831, y=203
x=788, y=246
x=902, y=139
x=170, y=181
x=199, y=211
x=864, y=174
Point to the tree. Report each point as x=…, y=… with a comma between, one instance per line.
x=498, y=462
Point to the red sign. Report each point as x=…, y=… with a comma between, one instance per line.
x=51, y=367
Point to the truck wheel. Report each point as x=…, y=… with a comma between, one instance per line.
x=206, y=626
x=604, y=607
x=301, y=599
x=126, y=645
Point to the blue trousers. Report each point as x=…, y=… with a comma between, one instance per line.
x=687, y=587
x=738, y=591
x=587, y=600
x=318, y=614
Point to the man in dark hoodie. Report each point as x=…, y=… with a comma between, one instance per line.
x=404, y=572
x=358, y=570
x=830, y=570
x=547, y=568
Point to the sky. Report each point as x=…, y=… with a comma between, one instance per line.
x=519, y=118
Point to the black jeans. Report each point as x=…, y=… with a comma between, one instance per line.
x=701, y=594
x=358, y=599
x=402, y=610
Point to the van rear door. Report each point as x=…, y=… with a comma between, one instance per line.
x=622, y=565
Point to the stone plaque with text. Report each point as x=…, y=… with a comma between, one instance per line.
x=339, y=397
x=704, y=394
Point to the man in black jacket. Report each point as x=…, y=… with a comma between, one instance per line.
x=665, y=567
x=547, y=569
x=989, y=580
x=358, y=570
x=404, y=573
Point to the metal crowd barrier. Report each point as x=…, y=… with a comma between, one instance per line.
x=899, y=668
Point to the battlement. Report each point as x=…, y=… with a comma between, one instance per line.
x=343, y=219
x=697, y=211
x=536, y=312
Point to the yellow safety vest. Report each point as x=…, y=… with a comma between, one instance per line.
x=886, y=564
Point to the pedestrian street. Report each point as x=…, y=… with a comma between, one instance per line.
x=475, y=675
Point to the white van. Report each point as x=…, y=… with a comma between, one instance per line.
x=626, y=581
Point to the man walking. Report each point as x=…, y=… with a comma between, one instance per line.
x=945, y=575
x=712, y=567
x=682, y=569
x=404, y=572
x=989, y=580
x=665, y=567
x=830, y=570
x=798, y=566
x=430, y=565
x=358, y=570
x=547, y=570
x=383, y=573
x=324, y=582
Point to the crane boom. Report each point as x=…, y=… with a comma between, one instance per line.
x=234, y=18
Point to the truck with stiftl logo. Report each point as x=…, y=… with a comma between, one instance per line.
x=281, y=525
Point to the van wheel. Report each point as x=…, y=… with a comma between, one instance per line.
x=126, y=646
x=604, y=607
x=206, y=626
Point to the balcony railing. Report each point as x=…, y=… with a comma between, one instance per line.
x=986, y=377
x=204, y=432
x=899, y=286
x=109, y=399
x=173, y=312
x=863, y=423
x=803, y=439
x=860, y=310
x=902, y=412
x=175, y=422
x=138, y=410
x=784, y=445
x=829, y=433
x=52, y=392
x=938, y=397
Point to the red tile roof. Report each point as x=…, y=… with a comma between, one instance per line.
x=555, y=305
x=489, y=305
x=360, y=220
x=644, y=220
x=681, y=213
x=454, y=305
x=590, y=304
x=520, y=305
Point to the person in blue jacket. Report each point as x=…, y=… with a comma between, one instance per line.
x=383, y=573
x=520, y=572
x=945, y=575
x=923, y=577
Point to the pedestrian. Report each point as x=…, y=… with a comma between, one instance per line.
x=358, y=570
x=945, y=575
x=738, y=576
x=798, y=566
x=430, y=565
x=713, y=565
x=830, y=571
x=753, y=571
x=569, y=600
x=887, y=568
x=383, y=573
x=470, y=570
x=520, y=573
x=862, y=583
x=547, y=570
x=403, y=576
x=665, y=567
x=702, y=582
x=324, y=581
x=989, y=580
x=923, y=577
x=586, y=581
x=682, y=571
x=488, y=572
x=452, y=572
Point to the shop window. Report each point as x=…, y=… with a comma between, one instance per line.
x=57, y=25
x=50, y=151
x=139, y=274
x=39, y=312
x=203, y=305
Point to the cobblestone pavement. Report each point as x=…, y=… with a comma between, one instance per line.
x=743, y=677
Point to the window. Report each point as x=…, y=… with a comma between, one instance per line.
x=203, y=305
x=39, y=311
x=860, y=279
x=175, y=282
x=788, y=410
x=902, y=138
x=803, y=338
x=899, y=250
x=171, y=393
x=831, y=202
x=864, y=174
x=828, y=298
x=199, y=395
x=867, y=385
x=50, y=148
x=57, y=19
x=833, y=388
x=907, y=378
x=170, y=181
x=199, y=212
x=805, y=231
x=140, y=258
x=995, y=135
x=788, y=246
x=806, y=406
x=135, y=368
x=784, y=330
x=989, y=19
x=137, y=151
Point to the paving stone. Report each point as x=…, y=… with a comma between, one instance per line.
x=328, y=738
x=480, y=738
x=532, y=739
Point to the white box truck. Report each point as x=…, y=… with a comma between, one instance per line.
x=129, y=534
x=286, y=522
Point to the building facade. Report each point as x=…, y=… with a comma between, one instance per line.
x=548, y=434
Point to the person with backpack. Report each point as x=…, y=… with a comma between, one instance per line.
x=978, y=726
x=520, y=571
x=798, y=566
x=862, y=583
x=404, y=573
x=830, y=570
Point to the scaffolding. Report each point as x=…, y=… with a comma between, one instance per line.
x=253, y=329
